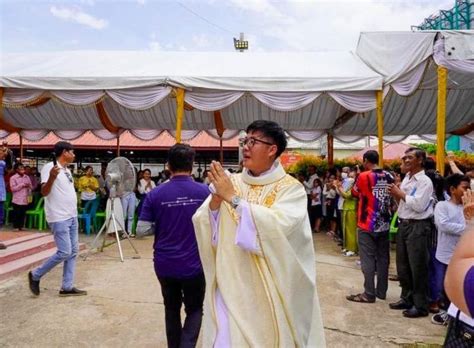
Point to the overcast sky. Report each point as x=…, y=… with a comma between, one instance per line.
x=202, y=25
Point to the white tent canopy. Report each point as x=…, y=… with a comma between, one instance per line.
x=309, y=94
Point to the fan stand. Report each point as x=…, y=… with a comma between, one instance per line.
x=105, y=227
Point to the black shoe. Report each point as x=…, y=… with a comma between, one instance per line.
x=34, y=284
x=381, y=297
x=2, y=246
x=414, y=312
x=402, y=304
x=72, y=292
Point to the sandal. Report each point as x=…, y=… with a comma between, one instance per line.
x=360, y=298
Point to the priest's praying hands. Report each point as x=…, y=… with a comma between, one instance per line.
x=222, y=184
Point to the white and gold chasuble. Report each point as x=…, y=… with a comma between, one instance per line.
x=271, y=296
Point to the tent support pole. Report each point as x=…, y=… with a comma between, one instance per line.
x=179, y=113
x=379, y=99
x=118, y=145
x=330, y=150
x=220, y=131
x=441, y=119
x=21, y=147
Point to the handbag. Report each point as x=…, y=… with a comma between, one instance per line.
x=459, y=335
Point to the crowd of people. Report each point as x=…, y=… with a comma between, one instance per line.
x=237, y=247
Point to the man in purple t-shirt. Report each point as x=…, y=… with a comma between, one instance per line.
x=167, y=212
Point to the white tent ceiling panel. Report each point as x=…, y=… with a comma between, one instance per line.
x=252, y=71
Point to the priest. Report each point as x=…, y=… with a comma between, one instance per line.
x=256, y=248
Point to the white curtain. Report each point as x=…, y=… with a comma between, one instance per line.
x=146, y=134
x=286, y=101
x=21, y=96
x=392, y=139
x=186, y=135
x=348, y=139
x=140, y=98
x=211, y=100
x=78, y=98
x=306, y=136
x=408, y=83
x=104, y=134
x=34, y=135
x=69, y=134
x=355, y=101
x=4, y=133
x=228, y=134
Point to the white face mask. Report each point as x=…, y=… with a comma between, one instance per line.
x=344, y=175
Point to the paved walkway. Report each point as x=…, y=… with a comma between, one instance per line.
x=124, y=307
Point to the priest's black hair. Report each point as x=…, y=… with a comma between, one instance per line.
x=271, y=130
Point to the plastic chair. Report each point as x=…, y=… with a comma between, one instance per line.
x=35, y=217
x=99, y=219
x=7, y=208
x=393, y=227
x=88, y=215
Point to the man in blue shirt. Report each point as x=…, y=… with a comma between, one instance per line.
x=167, y=212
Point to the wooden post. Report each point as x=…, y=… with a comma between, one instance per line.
x=21, y=148
x=441, y=119
x=330, y=150
x=118, y=144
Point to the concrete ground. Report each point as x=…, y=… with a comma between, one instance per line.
x=124, y=307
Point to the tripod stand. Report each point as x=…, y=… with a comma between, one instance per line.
x=111, y=219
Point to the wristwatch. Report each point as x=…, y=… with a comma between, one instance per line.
x=235, y=201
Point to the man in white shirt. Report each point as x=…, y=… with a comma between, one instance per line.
x=415, y=210
x=60, y=203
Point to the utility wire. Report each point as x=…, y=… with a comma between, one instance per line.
x=203, y=18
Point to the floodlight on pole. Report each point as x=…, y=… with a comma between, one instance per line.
x=241, y=44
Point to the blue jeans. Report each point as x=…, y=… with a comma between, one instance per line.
x=66, y=238
x=128, y=204
x=440, y=273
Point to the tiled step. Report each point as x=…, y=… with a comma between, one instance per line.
x=31, y=236
x=14, y=267
x=26, y=248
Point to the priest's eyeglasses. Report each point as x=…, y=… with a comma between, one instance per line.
x=250, y=142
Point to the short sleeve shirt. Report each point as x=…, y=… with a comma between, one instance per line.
x=61, y=202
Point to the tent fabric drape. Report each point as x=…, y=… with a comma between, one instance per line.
x=146, y=134
x=228, y=134
x=186, y=135
x=286, y=101
x=409, y=82
x=140, y=98
x=211, y=100
x=306, y=136
x=34, y=135
x=16, y=96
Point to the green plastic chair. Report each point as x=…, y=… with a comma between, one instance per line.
x=98, y=220
x=7, y=208
x=393, y=227
x=35, y=217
